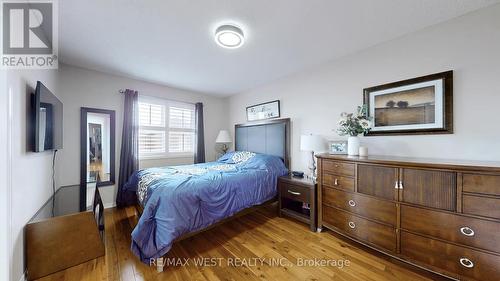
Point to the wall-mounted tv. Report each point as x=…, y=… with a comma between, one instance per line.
x=47, y=116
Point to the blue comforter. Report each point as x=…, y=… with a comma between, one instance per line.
x=183, y=199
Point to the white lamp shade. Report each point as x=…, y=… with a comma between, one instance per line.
x=311, y=143
x=223, y=137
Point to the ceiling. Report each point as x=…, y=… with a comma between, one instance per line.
x=170, y=42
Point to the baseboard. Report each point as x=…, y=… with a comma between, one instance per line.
x=24, y=276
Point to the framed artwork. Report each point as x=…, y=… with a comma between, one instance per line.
x=417, y=106
x=263, y=111
x=338, y=147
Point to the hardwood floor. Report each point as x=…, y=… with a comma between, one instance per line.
x=257, y=235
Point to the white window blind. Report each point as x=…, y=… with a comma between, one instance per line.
x=181, y=118
x=181, y=129
x=151, y=114
x=151, y=128
x=181, y=142
x=166, y=128
x=151, y=141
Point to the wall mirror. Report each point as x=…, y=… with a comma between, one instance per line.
x=97, y=152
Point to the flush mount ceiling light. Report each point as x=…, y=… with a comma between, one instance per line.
x=229, y=36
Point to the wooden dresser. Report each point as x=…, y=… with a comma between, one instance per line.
x=440, y=215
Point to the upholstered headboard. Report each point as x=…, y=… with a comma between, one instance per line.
x=269, y=137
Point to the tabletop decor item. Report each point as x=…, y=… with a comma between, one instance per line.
x=352, y=125
x=338, y=147
x=224, y=138
x=417, y=106
x=263, y=111
x=363, y=151
x=312, y=144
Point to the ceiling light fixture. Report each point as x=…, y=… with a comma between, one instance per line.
x=229, y=36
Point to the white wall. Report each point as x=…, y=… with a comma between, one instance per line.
x=4, y=179
x=29, y=175
x=86, y=88
x=469, y=45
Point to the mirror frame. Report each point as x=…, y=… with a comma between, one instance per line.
x=83, y=151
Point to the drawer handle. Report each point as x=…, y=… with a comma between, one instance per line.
x=351, y=203
x=336, y=182
x=293, y=192
x=352, y=224
x=466, y=262
x=398, y=185
x=467, y=231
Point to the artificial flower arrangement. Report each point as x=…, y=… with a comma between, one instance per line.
x=354, y=124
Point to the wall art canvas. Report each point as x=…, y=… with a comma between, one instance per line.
x=421, y=105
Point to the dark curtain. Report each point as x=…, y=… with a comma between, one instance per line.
x=199, y=136
x=129, y=155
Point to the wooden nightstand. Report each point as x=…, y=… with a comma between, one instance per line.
x=293, y=193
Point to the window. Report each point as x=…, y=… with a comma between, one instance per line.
x=151, y=128
x=166, y=128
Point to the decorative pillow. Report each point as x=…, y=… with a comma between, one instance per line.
x=226, y=158
x=241, y=156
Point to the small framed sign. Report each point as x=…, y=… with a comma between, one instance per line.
x=263, y=111
x=338, y=147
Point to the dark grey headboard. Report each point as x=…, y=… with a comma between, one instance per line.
x=268, y=137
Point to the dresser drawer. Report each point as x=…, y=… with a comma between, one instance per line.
x=379, y=235
x=485, y=184
x=455, y=228
x=481, y=206
x=338, y=168
x=454, y=259
x=338, y=181
x=295, y=192
x=380, y=210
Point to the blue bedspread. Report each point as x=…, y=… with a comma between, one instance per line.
x=183, y=199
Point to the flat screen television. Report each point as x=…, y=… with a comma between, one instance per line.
x=47, y=116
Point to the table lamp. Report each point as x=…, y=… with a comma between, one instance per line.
x=311, y=143
x=223, y=138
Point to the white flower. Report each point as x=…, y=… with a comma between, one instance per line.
x=353, y=124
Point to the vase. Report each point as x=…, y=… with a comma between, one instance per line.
x=353, y=146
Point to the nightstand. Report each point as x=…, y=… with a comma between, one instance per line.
x=294, y=194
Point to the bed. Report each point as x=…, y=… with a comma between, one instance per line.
x=179, y=201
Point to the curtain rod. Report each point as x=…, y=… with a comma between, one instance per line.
x=121, y=91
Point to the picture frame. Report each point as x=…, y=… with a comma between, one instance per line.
x=418, y=106
x=337, y=147
x=263, y=111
